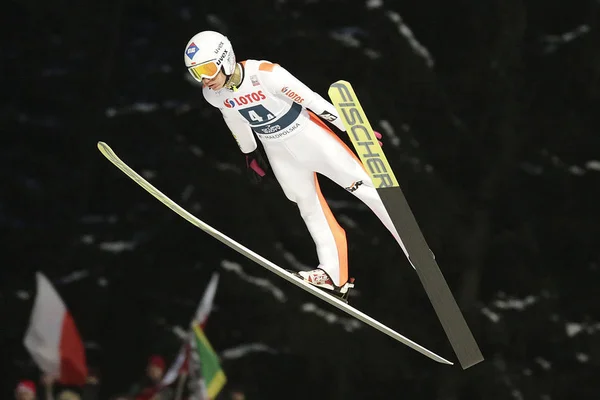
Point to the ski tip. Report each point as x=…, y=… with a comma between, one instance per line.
x=103, y=147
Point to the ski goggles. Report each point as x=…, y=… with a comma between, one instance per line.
x=205, y=70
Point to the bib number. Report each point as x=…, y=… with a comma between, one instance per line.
x=256, y=115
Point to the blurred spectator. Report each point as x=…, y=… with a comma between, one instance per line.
x=148, y=388
x=48, y=383
x=155, y=368
x=25, y=390
x=68, y=395
x=238, y=395
x=91, y=390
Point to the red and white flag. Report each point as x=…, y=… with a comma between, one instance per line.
x=206, y=303
x=52, y=338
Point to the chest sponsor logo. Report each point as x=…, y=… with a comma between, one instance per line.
x=275, y=131
x=245, y=99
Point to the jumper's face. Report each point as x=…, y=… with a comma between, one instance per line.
x=217, y=82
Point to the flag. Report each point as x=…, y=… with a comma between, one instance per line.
x=178, y=367
x=206, y=303
x=52, y=338
x=202, y=312
x=205, y=368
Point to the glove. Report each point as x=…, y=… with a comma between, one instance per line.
x=378, y=136
x=255, y=166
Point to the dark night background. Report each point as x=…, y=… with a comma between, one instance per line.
x=489, y=115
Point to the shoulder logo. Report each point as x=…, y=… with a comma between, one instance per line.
x=292, y=95
x=328, y=116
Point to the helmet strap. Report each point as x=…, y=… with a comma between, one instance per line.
x=235, y=79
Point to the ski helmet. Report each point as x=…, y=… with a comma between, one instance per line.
x=206, y=53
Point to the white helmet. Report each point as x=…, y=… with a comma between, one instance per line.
x=206, y=53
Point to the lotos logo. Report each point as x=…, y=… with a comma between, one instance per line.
x=245, y=99
x=191, y=50
x=292, y=95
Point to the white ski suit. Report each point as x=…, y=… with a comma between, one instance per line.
x=273, y=104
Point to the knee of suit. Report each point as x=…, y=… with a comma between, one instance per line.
x=307, y=205
x=290, y=194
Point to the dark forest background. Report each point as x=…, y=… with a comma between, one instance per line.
x=489, y=115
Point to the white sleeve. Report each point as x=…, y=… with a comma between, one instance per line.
x=239, y=127
x=241, y=131
x=282, y=83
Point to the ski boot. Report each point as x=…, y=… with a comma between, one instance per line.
x=321, y=279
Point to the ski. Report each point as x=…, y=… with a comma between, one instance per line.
x=419, y=254
x=343, y=306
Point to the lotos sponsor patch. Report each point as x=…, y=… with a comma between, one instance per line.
x=245, y=99
x=292, y=95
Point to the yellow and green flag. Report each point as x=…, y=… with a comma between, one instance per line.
x=206, y=361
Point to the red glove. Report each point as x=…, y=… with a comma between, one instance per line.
x=256, y=166
x=378, y=136
x=253, y=164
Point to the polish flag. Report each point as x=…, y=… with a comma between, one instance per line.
x=52, y=338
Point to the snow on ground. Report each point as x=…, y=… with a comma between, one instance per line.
x=349, y=324
x=262, y=283
x=245, y=349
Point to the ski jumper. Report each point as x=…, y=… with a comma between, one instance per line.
x=273, y=104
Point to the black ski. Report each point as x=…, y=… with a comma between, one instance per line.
x=419, y=254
